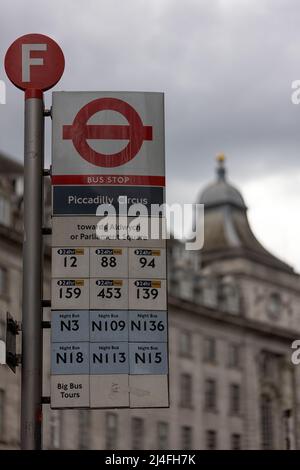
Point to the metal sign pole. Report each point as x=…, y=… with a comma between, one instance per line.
x=33, y=75
x=31, y=402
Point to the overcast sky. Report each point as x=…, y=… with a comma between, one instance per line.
x=226, y=67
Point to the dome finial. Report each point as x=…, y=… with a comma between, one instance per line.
x=221, y=171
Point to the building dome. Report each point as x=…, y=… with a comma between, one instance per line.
x=227, y=232
x=221, y=192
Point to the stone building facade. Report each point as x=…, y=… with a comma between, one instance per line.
x=234, y=310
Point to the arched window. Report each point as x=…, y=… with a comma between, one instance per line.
x=229, y=295
x=274, y=306
x=207, y=291
x=267, y=422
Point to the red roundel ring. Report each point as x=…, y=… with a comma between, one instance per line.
x=80, y=132
x=34, y=61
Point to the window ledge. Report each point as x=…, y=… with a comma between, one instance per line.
x=211, y=410
x=186, y=407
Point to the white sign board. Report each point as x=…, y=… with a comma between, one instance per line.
x=109, y=330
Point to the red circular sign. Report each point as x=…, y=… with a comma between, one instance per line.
x=79, y=132
x=34, y=61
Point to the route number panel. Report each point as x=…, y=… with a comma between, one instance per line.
x=70, y=294
x=145, y=326
x=106, y=325
x=70, y=262
x=109, y=358
x=110, y=294
x=68, y=325
x=109, y=262
x=147, y=294
x=147, y=263
x=70, y=358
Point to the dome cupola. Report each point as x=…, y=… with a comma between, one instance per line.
x=220, y=192
x=227, y=232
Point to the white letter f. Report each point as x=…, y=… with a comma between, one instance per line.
x=27, y=61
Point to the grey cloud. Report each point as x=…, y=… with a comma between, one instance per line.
x=226, y=68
